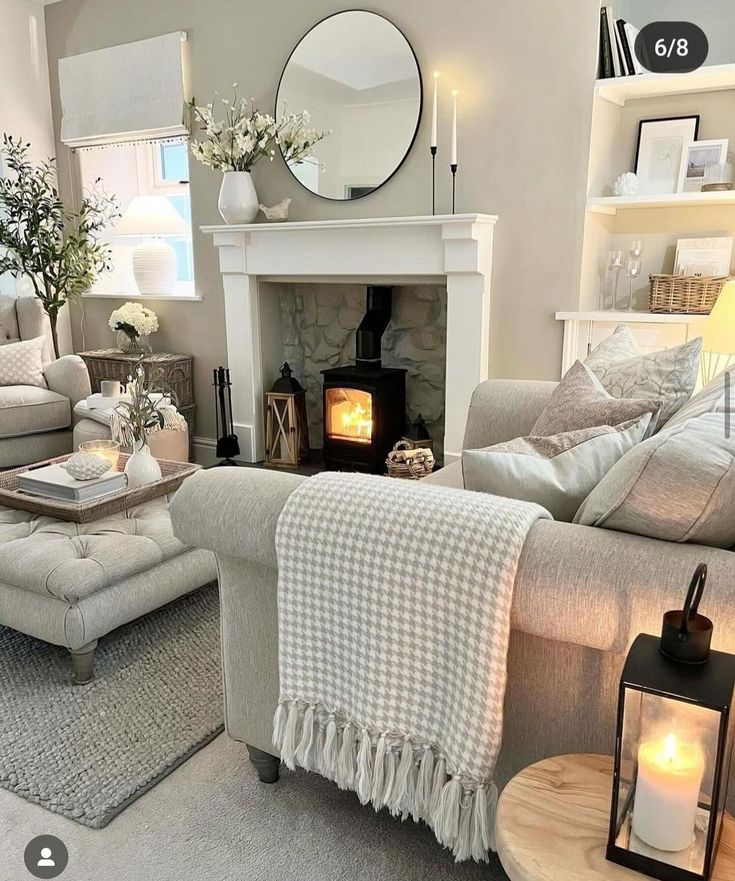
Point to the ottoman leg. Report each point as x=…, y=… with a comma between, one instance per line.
x=265, y=764
x=81, y=663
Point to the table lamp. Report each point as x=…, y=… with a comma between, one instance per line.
x=154, y=261
x=718, y=348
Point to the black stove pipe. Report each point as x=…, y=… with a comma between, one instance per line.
x=369, y=336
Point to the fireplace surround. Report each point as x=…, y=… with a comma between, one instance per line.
x=451, y=250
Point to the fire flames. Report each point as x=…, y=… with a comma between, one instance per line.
x=350, y=415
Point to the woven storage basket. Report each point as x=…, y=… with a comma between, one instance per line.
x=408, y=463
x=685, y=293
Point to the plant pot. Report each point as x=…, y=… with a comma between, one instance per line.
x=141, y=468
x=238, y=201
x=132, y=345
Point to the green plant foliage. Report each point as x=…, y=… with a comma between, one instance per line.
x=59, y=250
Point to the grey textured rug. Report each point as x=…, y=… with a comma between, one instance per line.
x=88, y=752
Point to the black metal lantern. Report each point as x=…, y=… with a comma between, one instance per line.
x=673, y=748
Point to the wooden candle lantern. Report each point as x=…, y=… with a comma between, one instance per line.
x=287, y=428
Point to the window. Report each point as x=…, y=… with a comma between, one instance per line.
x=160, y=168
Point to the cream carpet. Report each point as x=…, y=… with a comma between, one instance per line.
x=211, y=820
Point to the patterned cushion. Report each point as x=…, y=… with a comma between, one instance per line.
x=677, y=486
x=626, y=372
x=556, y=472
x=580, y=401
x=22, y=364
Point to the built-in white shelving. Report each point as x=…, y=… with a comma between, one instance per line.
x=613, y=204
x=618, y=90
x=624, y=317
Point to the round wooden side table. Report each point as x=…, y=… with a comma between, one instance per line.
x=552, y=823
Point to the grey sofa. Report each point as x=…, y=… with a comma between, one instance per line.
x=581, y=596
x=37, y=423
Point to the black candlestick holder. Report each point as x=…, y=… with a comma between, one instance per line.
x=433, y=178
x=453, y=166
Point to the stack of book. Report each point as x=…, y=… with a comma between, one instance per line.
x=52, y=482
x=617, y=46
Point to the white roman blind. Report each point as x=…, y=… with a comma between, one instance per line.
x=133, y=92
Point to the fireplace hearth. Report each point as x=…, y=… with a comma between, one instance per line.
x=364, y=403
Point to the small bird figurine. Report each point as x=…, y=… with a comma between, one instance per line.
x=277, y=212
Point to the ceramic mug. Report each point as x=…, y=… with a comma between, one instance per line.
x=110, y=388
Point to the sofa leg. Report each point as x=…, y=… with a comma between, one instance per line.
x=265, y=764
x=82, y=661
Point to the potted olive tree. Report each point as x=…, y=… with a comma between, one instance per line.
x=59, y=250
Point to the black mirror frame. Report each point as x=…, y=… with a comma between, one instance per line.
x=418, y=118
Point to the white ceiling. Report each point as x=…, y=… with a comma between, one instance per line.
x=359, y=49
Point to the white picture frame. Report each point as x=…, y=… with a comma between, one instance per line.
x=659, y=150
x=704, y=256
x=695, y=158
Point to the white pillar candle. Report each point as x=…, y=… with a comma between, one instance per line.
x=435, y=112
x=453, y=159
x=666, y=793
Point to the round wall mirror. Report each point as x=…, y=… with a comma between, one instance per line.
x=357, y=75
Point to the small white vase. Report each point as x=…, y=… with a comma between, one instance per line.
x=141, y=468
x=238, y=201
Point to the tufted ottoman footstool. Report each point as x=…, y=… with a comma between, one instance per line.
x=71, y=583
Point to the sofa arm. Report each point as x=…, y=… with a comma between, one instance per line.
x=502, y=409
x=68, y=376
x=600, y=588
x=233, y=511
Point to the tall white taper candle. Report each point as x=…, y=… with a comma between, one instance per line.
x=434, y=115
x=453, y=159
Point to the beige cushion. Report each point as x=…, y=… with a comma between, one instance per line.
x=22, y=363
x=580, y=401
x=9, y=331
x=676, y=486
x=557, y=472
x=627, y=372
x=25, y=409
x=711, y=399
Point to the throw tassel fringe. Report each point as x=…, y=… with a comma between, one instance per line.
x=387, y=771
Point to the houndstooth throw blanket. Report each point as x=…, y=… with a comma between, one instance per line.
x=394, y=616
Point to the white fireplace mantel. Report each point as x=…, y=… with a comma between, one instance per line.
x=455, y=250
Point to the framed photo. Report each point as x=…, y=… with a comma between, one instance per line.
x=699, y=257
x=659, y=152
x=695, y=158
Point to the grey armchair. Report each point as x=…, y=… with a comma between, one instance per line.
x=37, y=423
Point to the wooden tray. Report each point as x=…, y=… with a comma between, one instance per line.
x=174, y=474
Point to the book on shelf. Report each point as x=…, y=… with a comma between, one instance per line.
x=53, y=482
x=617, y=46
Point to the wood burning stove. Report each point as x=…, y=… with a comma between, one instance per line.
x=364, y=404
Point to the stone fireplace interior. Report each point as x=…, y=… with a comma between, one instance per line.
x=318, y=324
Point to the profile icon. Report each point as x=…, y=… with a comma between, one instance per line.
x=46, y=856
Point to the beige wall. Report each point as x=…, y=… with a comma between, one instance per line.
x=525, y=70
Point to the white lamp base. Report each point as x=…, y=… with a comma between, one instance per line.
x=154, y=267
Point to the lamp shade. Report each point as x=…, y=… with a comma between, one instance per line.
x=151, y=216
x=719, y=331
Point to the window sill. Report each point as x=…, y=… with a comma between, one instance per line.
x=181, y=298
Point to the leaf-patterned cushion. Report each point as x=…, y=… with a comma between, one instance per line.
x=626, y=372
x=22, y=363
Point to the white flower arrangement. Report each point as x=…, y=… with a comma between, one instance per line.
x=244, y=135
x=134, y=320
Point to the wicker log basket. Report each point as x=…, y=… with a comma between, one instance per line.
x=409, y=464
x=685, y=293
